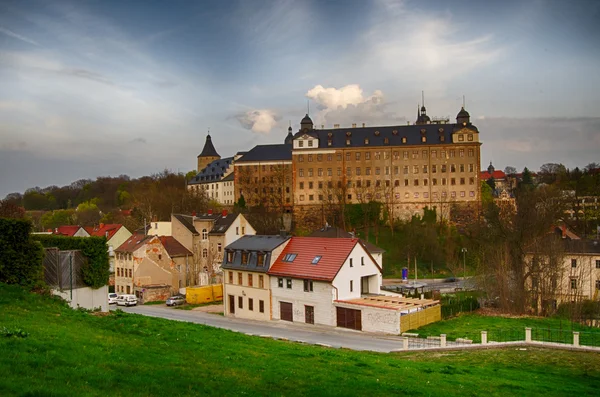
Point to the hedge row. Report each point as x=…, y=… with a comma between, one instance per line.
x=97, y=269
x=20, y=256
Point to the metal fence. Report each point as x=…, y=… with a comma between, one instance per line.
x=62, y=269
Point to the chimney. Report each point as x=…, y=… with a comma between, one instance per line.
x=363, y=125
x=353, y=125
x=101, y=225
x=210, y=212
x=336, y=126
x=224, y=213
x=55, y=230
x=564, y=231
x=193, y=213
x=322, y=126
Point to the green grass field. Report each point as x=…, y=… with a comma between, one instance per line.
x=74, y=353
x=502, y=329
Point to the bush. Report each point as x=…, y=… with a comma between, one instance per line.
x=453, y=305
x=20, y=256
x=97, y=269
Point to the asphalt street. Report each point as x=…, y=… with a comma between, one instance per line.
x=312, y=334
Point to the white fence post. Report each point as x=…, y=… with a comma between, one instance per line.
x=528, y=335
x=443, y=340
x=484, y=337
x=576, y=339
x=405, y=343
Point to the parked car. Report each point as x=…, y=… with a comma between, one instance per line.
x=112, y=298
x=451, y=280
x=176, y=300
x=127, y=300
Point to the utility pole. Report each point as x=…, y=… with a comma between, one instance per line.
x=71, y=272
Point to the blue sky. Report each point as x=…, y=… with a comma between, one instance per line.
x=94, y=88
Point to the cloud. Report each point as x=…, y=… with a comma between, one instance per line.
x=139, y=140
x=348, y=105
x=18, y=36
x=259, y=121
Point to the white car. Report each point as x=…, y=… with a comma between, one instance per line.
x=127, y=300
x=112, y=298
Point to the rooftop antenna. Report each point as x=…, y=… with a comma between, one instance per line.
x=423, y=97
x=308, y=107
x=208, y=131
x=463, y=101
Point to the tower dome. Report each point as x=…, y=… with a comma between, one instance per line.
x=208, y=154
x=463, y=116
x=306, y=123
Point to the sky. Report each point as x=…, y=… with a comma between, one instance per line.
x=95, y=88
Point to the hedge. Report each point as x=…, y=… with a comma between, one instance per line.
x=20, y=256
x=97, y=269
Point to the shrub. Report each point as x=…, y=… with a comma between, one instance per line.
x=20, y=256
x=97, y=269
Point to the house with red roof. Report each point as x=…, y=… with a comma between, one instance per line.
x=151, y=267
x=336, y=282
x=70, y=231
x=313, y=273
x=115, y=234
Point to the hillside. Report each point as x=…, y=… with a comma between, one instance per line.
x=49, y=349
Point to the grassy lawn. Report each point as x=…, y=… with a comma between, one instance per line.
x=470, y=325
x=74, y=353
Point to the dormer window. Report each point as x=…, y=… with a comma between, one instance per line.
x=376, y=133
x=442, y=138
x=403, y=139
x=300, y=143
x=441, y=130
x=229, y=256
x=366, y=141
x=461, y=137
x=395, y=132
x=423, y=139
x=310, y=143
x=260, y=259
x=329, y=142
x=470, y=137
x=348, y=142
x=386, y=141
x=329, y=134
x=244, y=258
x=348, y=133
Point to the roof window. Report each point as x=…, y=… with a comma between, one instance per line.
x=316, y=259
x=289, y=257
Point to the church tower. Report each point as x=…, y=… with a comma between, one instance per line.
x=208, y=155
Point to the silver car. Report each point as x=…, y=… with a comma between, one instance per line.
x=176, y=300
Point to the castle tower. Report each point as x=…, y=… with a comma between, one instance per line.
x=208, y=155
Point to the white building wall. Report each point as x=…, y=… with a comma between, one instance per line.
x=321, y=298
x=377, y=320
x=81, y=233
x=87, y=298
x=354, y=274
x=240, y=227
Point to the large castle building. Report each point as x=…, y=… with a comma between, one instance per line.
x=404, y=167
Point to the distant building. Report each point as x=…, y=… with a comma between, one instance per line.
x=70, y=231
x=115, y=234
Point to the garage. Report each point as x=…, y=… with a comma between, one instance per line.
x=349, y=318
x=285, y=311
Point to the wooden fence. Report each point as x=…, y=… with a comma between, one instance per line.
x=420, y=318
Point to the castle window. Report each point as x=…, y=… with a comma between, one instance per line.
x=470, y=137
x=403, y=139
x=300, y=143
x=310, y=143
x=395, y=132
x=376, y=133
x=461, y=137
x=442, y=138
x=366, y=141
x=386, y=141
x=423, y=139
x=348, y=134
x=348, y=142
x=329, y=142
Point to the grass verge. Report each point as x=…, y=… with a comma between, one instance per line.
x=55, y=351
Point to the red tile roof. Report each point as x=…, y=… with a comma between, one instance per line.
x=497, y=175
x=102, y=230
x=333, y=252
x=174, y=247
x=66, y=230
x=133, y=243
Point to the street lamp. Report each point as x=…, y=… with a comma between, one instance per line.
x=464, y=251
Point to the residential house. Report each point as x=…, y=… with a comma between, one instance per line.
x=115, y=234
x=206, y=235
x=336, y=282
x=336, y=232
x=146, y=262
x=71, y=231
x=246, y=284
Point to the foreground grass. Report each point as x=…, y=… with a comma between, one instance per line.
x=470, y=325
x=70, y=353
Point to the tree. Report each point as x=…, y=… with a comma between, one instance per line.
x=491, y=183
x=8, y=209
x=510, y=170
x=54, y=219
x=526, y=180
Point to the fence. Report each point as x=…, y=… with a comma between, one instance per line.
x=498, y=337
x=420, y=318
x=62, y=269
x=209, y=293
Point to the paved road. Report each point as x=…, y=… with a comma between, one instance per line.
x=313, y=334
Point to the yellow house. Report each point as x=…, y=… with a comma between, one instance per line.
x=246, y=284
